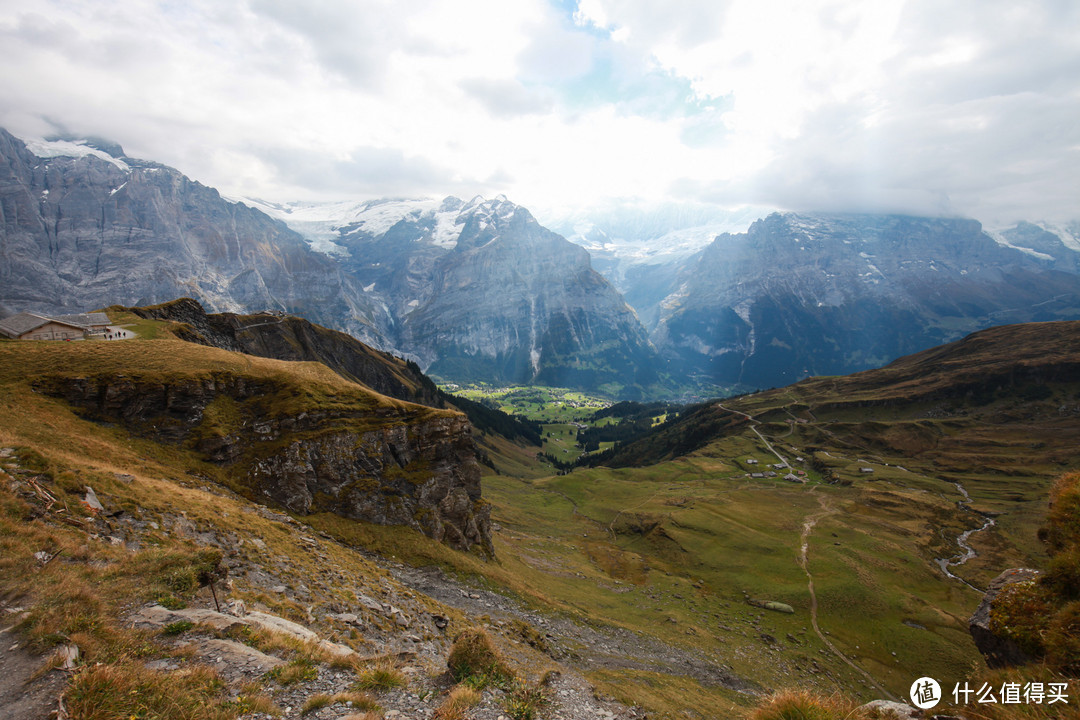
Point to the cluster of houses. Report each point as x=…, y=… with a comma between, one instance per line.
x=798, y=476
x=790, y=476
x=32, y=326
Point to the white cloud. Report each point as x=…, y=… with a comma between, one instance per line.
x=967, y=107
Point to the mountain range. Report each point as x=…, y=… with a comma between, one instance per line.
x=823, y=294
x=479, y=290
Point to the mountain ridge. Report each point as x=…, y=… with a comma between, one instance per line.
x=970, y=372
x=297, y=339
x=493, y=296
x=812, y=294
x=480, y=290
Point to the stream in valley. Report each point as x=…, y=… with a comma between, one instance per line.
x=968, y=552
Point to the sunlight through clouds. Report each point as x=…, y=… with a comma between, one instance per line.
x=967, y=108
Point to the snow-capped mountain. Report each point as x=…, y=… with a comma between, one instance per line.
x=85, y=226
x=480, y=290
x=322, y=224
x=815, y=294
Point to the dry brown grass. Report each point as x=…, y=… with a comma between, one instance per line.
x=457, y=703
x=806, y=705
x=381, y=675
x=360, y=701
x=80, y=597
x=125, y=691
x=474, y=655
x=251, y=699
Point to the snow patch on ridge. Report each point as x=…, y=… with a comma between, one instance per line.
x=1067, y=238
x=322, y=224
x=67, y=148
x=1001, y=240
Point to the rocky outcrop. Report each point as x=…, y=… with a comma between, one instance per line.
x=423, y=474
x=367, y=459
x=294, y=338
x=998, y=650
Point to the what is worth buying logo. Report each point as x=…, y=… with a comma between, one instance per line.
x=925, y=693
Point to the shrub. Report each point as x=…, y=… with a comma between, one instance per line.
x=805, y=705
x=1019, y=613
x=1063, y=519
x=1063, y=640
x=457, y=702
x=474, y=654
x=381, y=676
x=1043, y=617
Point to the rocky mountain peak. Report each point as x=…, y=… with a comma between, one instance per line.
x=83, y=228
x=813, y=293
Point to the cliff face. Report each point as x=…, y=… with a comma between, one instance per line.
x=553, y=320
x=88, y=231
x=482, y=291
x=424, y=475
x=378, y=461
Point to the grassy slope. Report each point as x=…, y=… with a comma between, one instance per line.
x=297, y=387
x=170, y=493
x=79, y=597
x=684, y=538
x=668, y=550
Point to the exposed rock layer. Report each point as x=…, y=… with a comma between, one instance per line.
x=387, y=463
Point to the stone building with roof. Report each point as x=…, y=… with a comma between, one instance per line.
x=31, y=326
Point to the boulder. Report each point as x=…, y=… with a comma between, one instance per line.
x=891, y=710
x=997, y=650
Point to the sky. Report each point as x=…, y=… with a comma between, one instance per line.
x=938, y=107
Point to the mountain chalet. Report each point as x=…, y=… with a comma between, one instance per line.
x=30, y=326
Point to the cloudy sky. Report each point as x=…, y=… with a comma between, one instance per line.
x=968, y=107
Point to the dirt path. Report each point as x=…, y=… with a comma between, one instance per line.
x=753, y=426
x=21, y=698
x=808, y=528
